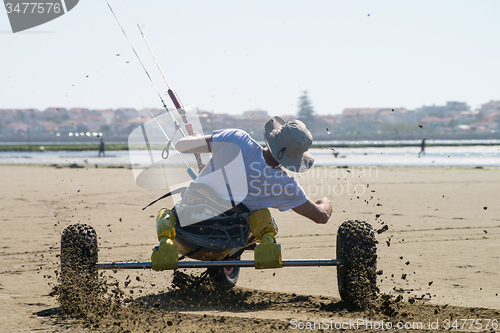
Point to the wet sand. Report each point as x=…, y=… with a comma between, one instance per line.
x=442, y=249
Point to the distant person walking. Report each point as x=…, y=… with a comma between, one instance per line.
x=422, y=147
x=101, y=149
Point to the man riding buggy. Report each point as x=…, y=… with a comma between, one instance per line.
x=226, y=209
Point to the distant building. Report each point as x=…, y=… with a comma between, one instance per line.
x=61, y=122
x=490, y=122
x=360, y=113
x=434, y=121
x=67, y=126
x=107, y=114
x=126, y=113
x=378, y=115
x=77, y=113
x=490, y=107
x=442, y=111
x=54, y=114
x=467, y=117
x=256, y=114
x=47, y=126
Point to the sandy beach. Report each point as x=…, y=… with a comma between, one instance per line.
x=441, y=250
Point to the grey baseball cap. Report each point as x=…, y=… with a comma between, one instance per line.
x=289, y=142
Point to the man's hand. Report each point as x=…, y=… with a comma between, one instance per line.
x=327, y=207
x=319, y=211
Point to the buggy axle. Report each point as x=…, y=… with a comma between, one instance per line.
x=219, y=263
x=356, y=261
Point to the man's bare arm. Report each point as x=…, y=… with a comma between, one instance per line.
x=194, y=144
x=319, y=211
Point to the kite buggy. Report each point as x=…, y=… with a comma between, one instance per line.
x=217, y=243
x=356, y=258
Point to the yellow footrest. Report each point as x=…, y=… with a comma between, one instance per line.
x=268, y=254
x=165, y=256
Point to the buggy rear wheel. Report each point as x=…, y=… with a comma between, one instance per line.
x=225, y=277
x=356, y=273
x=78, y=278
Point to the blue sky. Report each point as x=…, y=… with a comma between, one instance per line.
x=234, y=56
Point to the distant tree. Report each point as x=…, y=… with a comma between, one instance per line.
x=306, y=110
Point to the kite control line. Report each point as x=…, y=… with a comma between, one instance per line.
x=175, y=100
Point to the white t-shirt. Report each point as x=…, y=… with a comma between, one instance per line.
x=237, y=171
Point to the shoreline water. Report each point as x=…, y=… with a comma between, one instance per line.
x=120, y=145
x=466, y=156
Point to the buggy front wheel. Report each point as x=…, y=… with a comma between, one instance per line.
x=356, y=273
